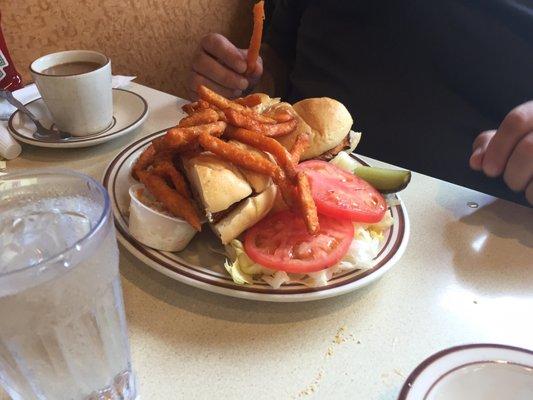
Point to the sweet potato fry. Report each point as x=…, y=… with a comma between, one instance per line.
x=281, y=128
x=251, y=100
x=222, y=103
x=245, y=121
x=201, y=117
x=177, y=139
x=307, y=204
x=255, y=40
x=299, y=147
x=286, y=189
x=144, y=161
x=237, y=155
x=261, y=142
x=175, y=203
x=191, y=108
x=240, y=120
x=166, y=169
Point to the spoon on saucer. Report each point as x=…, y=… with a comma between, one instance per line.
x=41, y=133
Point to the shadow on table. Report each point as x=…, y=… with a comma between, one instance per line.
x=224, y=307
x=492, y=247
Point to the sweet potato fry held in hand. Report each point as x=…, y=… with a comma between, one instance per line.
x=177, y=139
x=238, y=156
x=267, y=144
x=257, y=33
x=245, y=121
x=175, y=203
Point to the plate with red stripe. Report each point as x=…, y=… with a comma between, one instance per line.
x=201, y=264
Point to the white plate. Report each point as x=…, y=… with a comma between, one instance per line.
x=199, y=266
x=129, y=112
x=473, y=372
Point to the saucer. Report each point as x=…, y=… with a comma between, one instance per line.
x=474, y=372
x=129, y=112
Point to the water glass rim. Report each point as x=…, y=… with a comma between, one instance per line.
x=102, y=219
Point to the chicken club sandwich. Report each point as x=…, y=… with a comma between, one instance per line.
x=274, y=182
x=233, y=198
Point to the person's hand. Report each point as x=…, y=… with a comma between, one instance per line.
x=221, y=66
x=508, y=151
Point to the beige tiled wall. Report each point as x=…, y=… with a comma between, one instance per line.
x=153, y=39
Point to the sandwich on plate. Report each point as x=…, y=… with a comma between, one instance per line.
x=275, y=183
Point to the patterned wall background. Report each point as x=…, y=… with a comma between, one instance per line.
x=152, y=39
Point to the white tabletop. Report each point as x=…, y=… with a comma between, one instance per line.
x=467, y=276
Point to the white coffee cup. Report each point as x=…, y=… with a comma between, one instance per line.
x=80, y=104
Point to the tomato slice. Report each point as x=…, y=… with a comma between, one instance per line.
x=343, y=195
x=281, y=242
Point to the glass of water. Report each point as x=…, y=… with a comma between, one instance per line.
x=62, y=324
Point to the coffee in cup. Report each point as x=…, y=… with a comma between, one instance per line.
x=76, y=88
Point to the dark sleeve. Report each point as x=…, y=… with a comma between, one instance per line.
x=282, y=23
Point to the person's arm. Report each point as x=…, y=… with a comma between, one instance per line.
x=508, y=151
x=221, y=66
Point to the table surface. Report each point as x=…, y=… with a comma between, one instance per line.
x=466, y=277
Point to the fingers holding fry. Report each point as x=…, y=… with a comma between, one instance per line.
x=307, y=204
x=175, y=203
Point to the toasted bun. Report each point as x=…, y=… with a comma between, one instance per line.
x=219, y=184
x=327, y=121
x=258, y=182
x=245, y=215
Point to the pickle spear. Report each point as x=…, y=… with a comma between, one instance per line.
x=383, y=179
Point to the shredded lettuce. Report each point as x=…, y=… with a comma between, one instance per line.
x=360, y=255
x=277, y=279
x=236, y=273
x=242, y=268
x=386, y=222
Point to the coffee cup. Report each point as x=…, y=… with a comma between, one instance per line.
x=76, y=88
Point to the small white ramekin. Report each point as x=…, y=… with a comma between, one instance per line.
x=157, y=230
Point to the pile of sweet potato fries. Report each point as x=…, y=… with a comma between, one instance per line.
x=210, y=122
